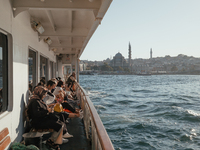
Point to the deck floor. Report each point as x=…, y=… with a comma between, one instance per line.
x=79, y=141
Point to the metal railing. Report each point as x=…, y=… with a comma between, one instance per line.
x=94, y=127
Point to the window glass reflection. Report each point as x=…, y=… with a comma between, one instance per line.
x=51, y=70
x=43, y=67
x=3, y=73
x=1, y=80
x=1, y=67
x=32, y=69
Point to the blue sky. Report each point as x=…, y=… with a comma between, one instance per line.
x=169, y=27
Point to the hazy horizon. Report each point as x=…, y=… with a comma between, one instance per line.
x=144, y=58
x=168, y=27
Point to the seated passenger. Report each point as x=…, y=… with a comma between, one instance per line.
x=50, y=98
x=30, y=90
x=51, y=102
x=58, y=78
x=43, y=78
x=42, y=118
x=59, y=88
x=42, y=82
x=58, y=109
x=56, y=81
x=60, y=103
x=59, y=98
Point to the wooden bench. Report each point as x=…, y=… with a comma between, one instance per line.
x=33, y=133
x=41, y=130
x=4, y=139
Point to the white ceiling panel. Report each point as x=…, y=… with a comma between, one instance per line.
x=68, y=23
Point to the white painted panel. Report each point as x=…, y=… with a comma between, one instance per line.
x=5, y=15
x=20, y=94
x=23, y=38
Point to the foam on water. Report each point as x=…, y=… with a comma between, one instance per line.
x=100, y=107
x=148, y=112
x=193, y=113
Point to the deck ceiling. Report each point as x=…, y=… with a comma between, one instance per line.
x=69, y=23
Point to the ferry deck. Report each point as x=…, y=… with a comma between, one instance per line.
x=45, y=38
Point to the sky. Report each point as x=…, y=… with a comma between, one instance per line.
x=169, y=27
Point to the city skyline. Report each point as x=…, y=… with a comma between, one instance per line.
x=168, y=27
x=151, y=50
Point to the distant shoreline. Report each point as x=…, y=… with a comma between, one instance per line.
x=143, y=74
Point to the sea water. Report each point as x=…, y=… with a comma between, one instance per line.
x=147, y=112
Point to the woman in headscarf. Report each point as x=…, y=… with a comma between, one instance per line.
x=42, y=118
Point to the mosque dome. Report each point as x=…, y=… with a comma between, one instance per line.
x=118, y=55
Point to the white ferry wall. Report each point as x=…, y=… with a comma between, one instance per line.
x=23, y=38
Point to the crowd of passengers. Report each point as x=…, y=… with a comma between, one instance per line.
x=50, y=105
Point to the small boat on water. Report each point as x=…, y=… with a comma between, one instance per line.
x=45, y=38
x=144, y=74
x=88, y=72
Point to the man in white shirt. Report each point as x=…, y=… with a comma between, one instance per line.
x=50, y=98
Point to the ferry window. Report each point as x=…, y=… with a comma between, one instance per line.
x=54, y=70
x=43, y=67
x=56, y=65
x=32, y=67
x=3, y=73
x=51, y=70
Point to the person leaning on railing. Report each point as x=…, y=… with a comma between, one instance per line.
x=72, y=80
x=71, y=96
x=70, y=93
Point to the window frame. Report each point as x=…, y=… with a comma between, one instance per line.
x=35, y=67
x=51, y=64
x=46, y=67
x=9, y=75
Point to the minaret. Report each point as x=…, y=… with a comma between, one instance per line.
x=151, y=53
x=129, y=54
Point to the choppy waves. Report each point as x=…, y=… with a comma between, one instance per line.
x=152, y=112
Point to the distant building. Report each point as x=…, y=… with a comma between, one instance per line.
x=157, y=65
x=82, y=66
x=118, y=60
x=129, y=54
